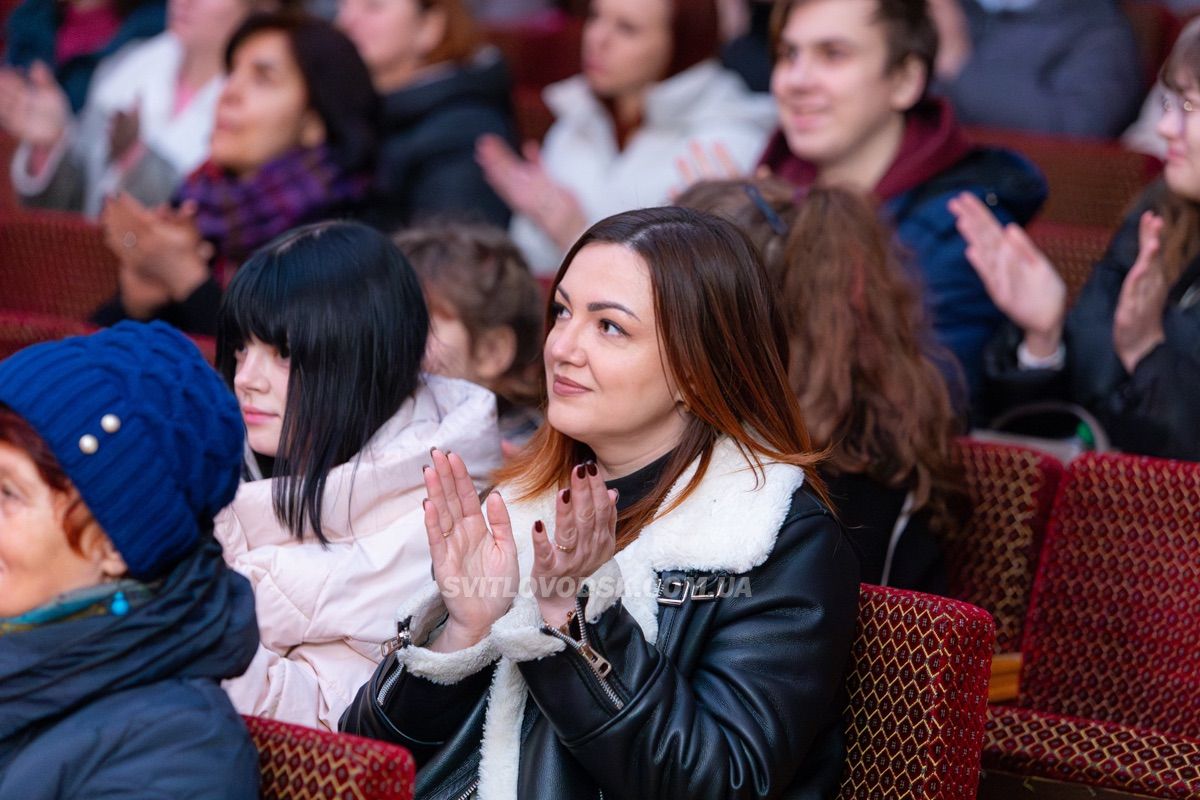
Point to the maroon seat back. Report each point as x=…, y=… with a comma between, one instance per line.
x=1092, y=182
x=991, y=560
x=918, y=693
x=54, y=263
x=1114, y=624
x=298, y=763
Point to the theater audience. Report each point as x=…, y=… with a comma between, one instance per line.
x=1050, y=66
x=858, y=339
x=293, y=142
x=672, y=442
x=145, y=126
x=321, y=337
x=1127, y=351
x=650, y=95
x=485, y=313
x=851, y=77
x=66, y=41
x=118, y=617
x=441, y=91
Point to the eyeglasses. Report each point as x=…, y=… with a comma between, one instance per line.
x=1173, y=100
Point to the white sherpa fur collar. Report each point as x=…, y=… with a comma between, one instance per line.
x=729, y=524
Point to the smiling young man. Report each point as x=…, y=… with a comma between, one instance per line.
x=850, y=78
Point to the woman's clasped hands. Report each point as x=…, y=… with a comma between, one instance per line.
x=475, y=560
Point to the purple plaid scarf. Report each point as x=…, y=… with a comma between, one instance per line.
x=239, y=215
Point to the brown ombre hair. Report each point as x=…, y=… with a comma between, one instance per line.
x=722, y=343
x=16, y=432
x=861, y=352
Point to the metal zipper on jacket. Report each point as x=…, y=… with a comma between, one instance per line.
x=470, y=790
x=388, y=685
x=596, y=662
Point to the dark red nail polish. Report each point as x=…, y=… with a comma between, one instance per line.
x=580, y=471
x=566, y=496
x=538, y=526
x=591, y=467
x=424, y=467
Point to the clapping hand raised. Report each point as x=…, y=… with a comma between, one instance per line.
x=34, y=110
x=474, y=561
x=1137, y=322
x=1017, y=275
x=528, y=189
x=585, y=536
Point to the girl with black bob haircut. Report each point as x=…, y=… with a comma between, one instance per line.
x=321, y=335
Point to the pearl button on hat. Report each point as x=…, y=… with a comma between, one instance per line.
x=145, y=429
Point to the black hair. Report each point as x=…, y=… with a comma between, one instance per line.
x=336, y=79
x=342, y=302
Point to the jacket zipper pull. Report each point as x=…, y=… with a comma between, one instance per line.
x=598, y=663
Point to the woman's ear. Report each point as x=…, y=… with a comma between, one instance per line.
x=493, y=352
x=312, y=130
x=97, y=548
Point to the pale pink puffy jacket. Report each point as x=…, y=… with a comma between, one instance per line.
x=324, y=612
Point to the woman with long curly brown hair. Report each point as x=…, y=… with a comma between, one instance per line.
x=862, y=363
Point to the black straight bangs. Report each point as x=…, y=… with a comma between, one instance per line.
x=344, y=305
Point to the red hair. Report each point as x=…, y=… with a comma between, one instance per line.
x=17, y=433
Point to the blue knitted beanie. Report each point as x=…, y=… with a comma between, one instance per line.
x=145, y=429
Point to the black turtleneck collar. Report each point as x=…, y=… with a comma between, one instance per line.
x=636, y=485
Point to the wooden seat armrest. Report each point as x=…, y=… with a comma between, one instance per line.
x=1006, y=674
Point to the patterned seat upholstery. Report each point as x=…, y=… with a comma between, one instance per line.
x=917, y=694
x=55, y=263
x=991, y=559
x=298, y=763
x=1095, y=753
x=1113, y=634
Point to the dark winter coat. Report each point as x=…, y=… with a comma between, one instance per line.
x=107, y=707
x=1153, y=411
x=426, y=166
x=715, y=671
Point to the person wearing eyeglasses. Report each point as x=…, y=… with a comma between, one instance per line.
x=1129, y=349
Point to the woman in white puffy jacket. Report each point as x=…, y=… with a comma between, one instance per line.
x=651, y=109
x=321, y=336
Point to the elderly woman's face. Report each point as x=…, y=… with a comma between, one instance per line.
x=263, y=111
x=36, y=562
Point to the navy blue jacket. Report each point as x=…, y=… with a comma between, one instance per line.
x=131, y=706
x=33, y=28
x=964, y=317
x=426, y=166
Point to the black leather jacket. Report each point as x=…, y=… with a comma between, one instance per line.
x=740, y=696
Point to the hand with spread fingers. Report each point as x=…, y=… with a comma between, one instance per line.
x=1138, y=319
x=585, y=536
x=474, y=561
x=1017, y=275
x=525, y=185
